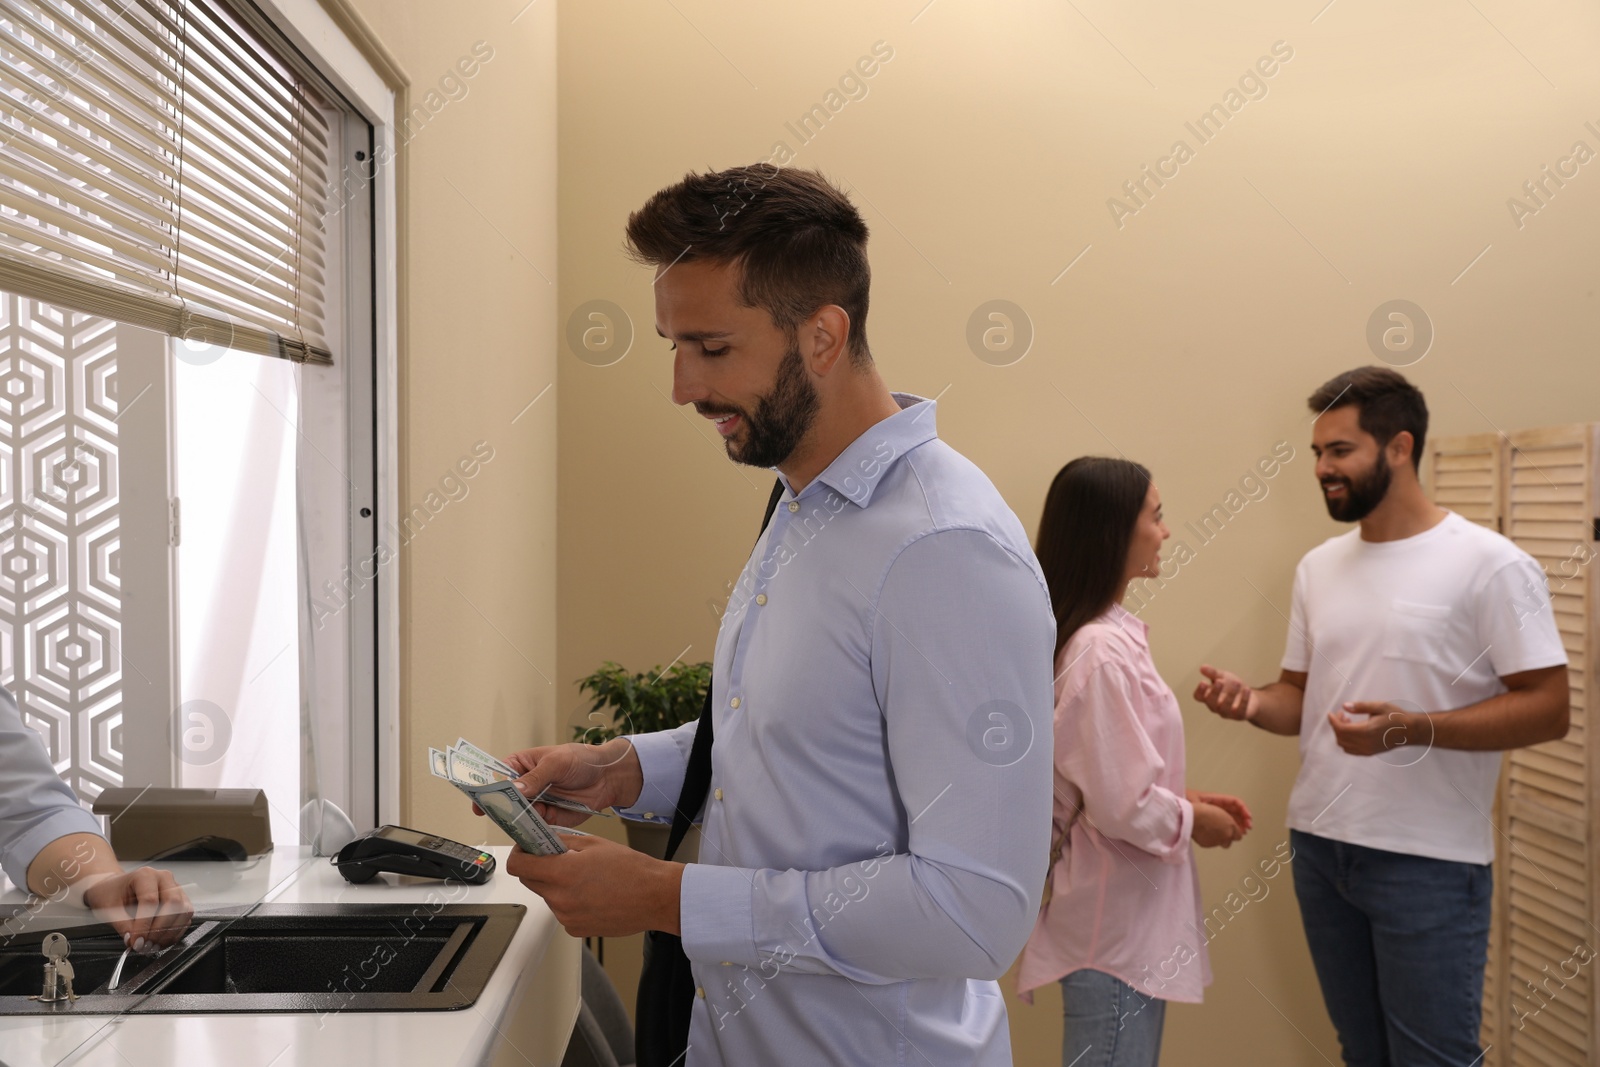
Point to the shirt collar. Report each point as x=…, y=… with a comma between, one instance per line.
x=855, y=473
x=1128, y=623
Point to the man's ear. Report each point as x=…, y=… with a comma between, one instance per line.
x=1400, y=446
x=828, y=331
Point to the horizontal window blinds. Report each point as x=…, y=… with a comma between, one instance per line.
x=160, y=165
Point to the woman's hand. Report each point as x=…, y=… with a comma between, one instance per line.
x=1214, y=827
x=146, y=906
x=1230, y=804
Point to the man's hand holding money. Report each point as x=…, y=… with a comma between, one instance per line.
x=600, y=776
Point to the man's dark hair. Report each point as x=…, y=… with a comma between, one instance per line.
x=1386, y=403
x=798, y=242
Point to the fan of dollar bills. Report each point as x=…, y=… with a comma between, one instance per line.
x=490, y=782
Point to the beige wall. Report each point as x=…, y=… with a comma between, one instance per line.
x=1378, y=166
x=479, y=328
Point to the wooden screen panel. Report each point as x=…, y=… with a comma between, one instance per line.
x=1467, y=474
x=1545, y=1010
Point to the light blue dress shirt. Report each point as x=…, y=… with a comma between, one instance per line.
x=36, y=806
x=874, y=846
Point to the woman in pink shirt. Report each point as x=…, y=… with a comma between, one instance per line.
x=1120, y=927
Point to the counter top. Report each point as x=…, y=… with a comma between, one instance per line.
x=524, y=1016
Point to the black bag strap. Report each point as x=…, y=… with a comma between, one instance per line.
x=697, y=776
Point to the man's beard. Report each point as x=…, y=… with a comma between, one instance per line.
x=781, y=419
x=1360, y=497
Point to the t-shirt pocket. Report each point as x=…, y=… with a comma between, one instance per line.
x=1416, y=632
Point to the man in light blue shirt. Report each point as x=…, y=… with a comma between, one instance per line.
x=875, y=841
x=52, y=847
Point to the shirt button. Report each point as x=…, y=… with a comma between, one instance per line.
x=761, y=598
x=794, y=505
x=734, y=703
x=718, y=793
x=700, y=991
x=649, y=814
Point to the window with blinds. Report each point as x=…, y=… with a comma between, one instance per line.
x=162, y=166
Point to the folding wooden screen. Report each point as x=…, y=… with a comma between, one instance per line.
x=1541, y=488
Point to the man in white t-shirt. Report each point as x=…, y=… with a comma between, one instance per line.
x=1421, y=646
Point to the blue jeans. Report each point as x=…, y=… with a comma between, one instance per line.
x=1399, y=943
x=1109, y=1023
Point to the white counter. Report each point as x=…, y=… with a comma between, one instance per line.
x=524, y=1016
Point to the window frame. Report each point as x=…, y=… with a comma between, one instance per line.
x=369, y=338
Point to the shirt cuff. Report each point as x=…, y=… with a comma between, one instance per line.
x=663, y=763
x=1180, y=851
x=20, y=853
x=715, y=915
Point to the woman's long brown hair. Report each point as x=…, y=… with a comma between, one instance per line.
x=1084, y=533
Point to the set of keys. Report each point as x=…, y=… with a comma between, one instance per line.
x=58, y=973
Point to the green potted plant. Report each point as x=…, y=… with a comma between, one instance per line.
x=657, y=699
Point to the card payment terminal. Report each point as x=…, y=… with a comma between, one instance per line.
x=395, y=848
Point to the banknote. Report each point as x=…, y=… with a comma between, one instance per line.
x=473, y=751
x=464, y=770
x=511, y=812
x=467, y=764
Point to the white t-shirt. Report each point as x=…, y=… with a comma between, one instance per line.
x=1430, y=623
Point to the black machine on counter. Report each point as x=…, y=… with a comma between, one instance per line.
x=404, y=851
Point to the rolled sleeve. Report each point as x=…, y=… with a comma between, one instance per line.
x=36, y=806
x=1105, y=751
x=663, y=760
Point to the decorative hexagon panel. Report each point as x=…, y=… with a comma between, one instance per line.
x=60, y=593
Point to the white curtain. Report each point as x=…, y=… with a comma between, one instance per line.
x=235, y=421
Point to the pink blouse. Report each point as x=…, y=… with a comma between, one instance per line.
x=1124, y=895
